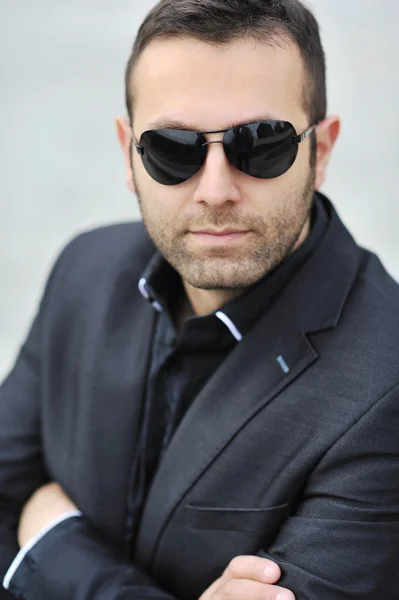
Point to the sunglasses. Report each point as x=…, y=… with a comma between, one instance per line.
x=264, y=150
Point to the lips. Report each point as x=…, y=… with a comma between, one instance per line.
x=219, y=233
x=225, y=237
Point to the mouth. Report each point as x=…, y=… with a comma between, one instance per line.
x=220, y=238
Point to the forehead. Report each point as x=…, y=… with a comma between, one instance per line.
x=211, y=87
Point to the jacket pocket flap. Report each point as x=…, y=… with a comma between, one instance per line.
x=234, y=519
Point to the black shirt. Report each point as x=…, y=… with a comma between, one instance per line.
x=183, y=361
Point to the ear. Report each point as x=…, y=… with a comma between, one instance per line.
x=326, y=133
x=124, y=133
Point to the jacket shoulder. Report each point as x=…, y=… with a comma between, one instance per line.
x=105, y=245
x=377, y=289
x=110, y=250
x=97, y=260
x=363, y=349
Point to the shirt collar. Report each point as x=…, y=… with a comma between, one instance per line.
x=160, y=284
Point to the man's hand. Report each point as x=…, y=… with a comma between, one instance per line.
x=248, y=577
x=46, y=505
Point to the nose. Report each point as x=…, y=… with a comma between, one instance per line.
x=217, y=180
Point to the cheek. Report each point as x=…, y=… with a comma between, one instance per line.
x=302, y=163
x=161, y=206
x=265, y=196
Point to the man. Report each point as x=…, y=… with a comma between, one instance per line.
x=206, y=406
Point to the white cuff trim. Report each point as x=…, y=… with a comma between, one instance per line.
x=24, y=551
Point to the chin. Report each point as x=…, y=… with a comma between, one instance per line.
x=222, y=274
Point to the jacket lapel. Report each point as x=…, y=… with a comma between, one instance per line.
x=270, y=358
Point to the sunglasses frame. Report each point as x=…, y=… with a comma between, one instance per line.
x=296, y=139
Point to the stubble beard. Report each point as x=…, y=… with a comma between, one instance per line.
x=231, y=267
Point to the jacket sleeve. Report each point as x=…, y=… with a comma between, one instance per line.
x=74, y=562
x=343, y=542
x=22, y=468
x=70, y=561
x=29, y=545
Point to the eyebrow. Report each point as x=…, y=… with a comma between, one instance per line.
x=166, y=123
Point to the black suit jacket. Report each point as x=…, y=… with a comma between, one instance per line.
x=300, y=465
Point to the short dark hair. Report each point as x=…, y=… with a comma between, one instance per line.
x=220, y=22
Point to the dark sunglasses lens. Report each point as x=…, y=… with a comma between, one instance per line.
x=263, y=150
x=172, y=156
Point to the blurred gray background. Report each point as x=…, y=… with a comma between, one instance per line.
x=62, y=67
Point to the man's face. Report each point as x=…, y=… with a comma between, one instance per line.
x=210, y=88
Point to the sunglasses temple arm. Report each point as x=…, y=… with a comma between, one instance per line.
x=300, y=138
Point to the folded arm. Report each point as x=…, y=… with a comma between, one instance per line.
x=341, y=544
